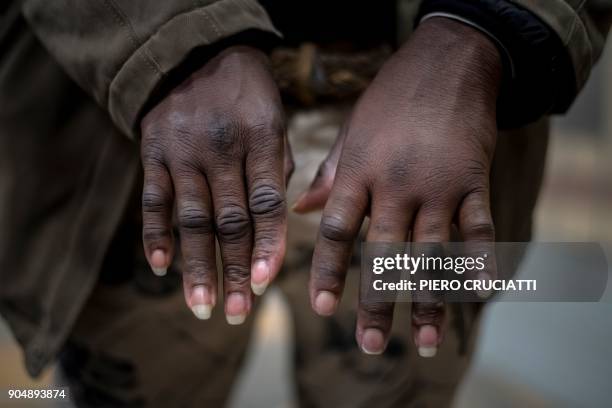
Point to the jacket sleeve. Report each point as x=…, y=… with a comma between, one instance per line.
x=548, y=48
x=581, y=25
x=120, y=51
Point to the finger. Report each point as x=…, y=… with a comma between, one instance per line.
x=196, y=229
x=289, y=164
x=432, y=225
x=338, y=229
x=316, y=196
x=375, y=318
x=478, y=231
x=268, y=209
x=157, y=204
x=235, y=234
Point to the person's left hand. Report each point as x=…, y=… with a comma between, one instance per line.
x=415, y=155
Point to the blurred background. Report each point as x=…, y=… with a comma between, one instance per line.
x=558, y=354
x=536, y=354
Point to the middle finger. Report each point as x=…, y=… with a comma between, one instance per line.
x=235, y=234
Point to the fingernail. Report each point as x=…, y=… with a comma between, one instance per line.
x=201, y=302
x=325, y=303
x=298, y=199
x=260, y=277
x=235, y=320
x=427, y=340
x=158, y=262
x=484, y=294
x=159, y=271
x=372, y=341
x=427, y=352
x=202, y=312
x=235, y=308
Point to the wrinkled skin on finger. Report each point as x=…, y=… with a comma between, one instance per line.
x=415, y=155
x=215, y=155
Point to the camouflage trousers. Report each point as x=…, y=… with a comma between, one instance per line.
x=137, y=344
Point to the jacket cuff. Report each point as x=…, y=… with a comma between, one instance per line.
x=538, y=75
x=573, y=25
x=145, y=71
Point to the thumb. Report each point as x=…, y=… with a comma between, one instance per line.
x=315, y=197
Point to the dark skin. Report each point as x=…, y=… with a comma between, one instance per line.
x=415, y=155
x=214, y=151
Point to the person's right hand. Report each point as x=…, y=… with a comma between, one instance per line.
x=214, y=149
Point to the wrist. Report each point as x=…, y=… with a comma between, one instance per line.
x=450, y=58
x=206, y=59
x=238, y=53
x=539, y=77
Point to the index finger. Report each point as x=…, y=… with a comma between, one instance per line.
x=340, y=224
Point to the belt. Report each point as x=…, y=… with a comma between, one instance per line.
x=310, y=74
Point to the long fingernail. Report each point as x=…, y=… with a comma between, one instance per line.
x=202, y=312
x=428, y=352
x=325, y=303
x=235, y=308
x=260, y=277
x=201, y=302
x=427, y=340
x=158, y=262
x=372, y=341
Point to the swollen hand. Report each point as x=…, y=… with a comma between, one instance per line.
x=214, y=152
x=415, y=155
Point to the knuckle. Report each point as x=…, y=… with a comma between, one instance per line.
x=266, y=240
x=199, y=271
x=377, y=311
x=152, y=151
x=154, y=200
x=233, y=223
x=476, y=168
x=382, y=226
x=335, y=228
x=328, y=278
x=328, y=275
x=269, y=123
x=155, y=232
x=193, y=218
x=480, y=230
x=226, y=132
x=434, y=231
x=396, y=174
x=266, y=200
x=222, y=131
x=236, y=275
x=427, y=313
x=268, y=127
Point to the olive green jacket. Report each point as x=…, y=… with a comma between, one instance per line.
x=75, y=76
